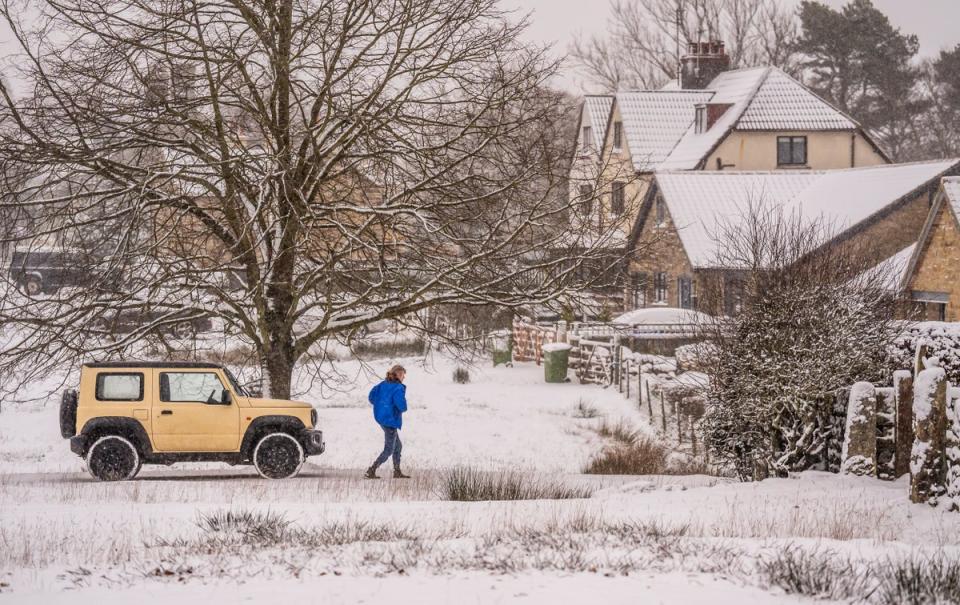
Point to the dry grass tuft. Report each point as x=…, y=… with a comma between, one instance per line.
x=467, y=484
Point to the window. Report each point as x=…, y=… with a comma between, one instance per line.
x=660, y=213
x=587, y=138
x=791, y=151
x=586, y=199
x=639, y=290
x=617, y=136
x=120, y=386
x=685, y=292
x=191, y=387
x=700, y=119
x=660, y=287
x=618, y=198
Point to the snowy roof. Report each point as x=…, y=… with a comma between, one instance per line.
x=661, y=316
x=894, y=269
x=703, y=202
x=598, y=111
x=951, y=188
x=653, y=122
x=783, y=103
x=659, y=124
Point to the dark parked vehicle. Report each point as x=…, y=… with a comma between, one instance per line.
x=49, y=269
x=181, y=325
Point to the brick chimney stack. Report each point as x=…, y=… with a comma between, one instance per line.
x=703, y=62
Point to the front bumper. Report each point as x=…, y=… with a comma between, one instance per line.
x=312, y=441
x=78, y=445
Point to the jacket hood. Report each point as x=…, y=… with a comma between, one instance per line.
x=277, y=403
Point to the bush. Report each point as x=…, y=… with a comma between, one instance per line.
x=813, y=573
x=943, y=342
x=642, y=456
x=388, y=348
x=620, y=432
x=585, y=409
x=461, y=375
x=467, y=484
x=919, y=581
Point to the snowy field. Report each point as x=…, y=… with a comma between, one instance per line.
x=330, y=536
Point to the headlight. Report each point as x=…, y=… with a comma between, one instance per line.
x=313, y=418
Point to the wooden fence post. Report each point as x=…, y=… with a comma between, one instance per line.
x=663, y=411
x=649, y=400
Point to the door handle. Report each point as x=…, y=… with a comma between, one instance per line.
x=166, y=413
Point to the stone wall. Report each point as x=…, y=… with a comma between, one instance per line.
x=939, y=267
x=659, y=249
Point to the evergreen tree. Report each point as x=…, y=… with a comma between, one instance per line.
x=862, y=64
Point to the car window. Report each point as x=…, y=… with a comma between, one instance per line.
x=119, y=386
x=191, y=387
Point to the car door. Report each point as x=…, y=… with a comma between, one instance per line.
x=194, y=411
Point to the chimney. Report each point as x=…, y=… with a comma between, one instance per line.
x=703, y=62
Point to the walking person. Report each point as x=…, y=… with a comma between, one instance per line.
x=389, y=402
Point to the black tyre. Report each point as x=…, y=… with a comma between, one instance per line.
x=33, y=286
x=184, y=330
x=278, y=456
x=113, y=458
x=68, y=414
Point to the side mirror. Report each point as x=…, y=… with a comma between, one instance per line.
x=226, y=398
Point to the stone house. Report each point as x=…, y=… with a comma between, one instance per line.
x=931, y=277
x=680, y=224
x=711, y=119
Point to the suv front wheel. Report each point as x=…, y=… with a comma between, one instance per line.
x=113, y=458
x=278, y=456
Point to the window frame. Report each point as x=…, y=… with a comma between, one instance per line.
x=700, y=119
x=792, y=141
x=160, y=394
x=586, y=134
x=638, y=288
x=618, y=198
x=685, y=286
x=586, y=191
x=98, y=386
x=618, y=136
x=659, y=212
x=661, y=291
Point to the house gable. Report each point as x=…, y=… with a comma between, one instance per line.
x=933, y=275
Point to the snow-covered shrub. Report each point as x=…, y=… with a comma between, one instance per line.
x=812, y=573
x=943, y=343
x=812, y=321
x=696, y=356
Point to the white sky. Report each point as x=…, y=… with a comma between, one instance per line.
x=557, y=22
x=935, y=22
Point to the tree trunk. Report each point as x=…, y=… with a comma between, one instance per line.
x=277, y=367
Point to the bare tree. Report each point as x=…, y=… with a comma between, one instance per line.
x=639, y=50
x=814, y=317
x=294, y=170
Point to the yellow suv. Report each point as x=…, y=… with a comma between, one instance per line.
x=126, y=414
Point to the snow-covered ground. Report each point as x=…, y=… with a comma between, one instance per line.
x=660, y=539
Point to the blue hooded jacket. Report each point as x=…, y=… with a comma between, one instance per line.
x=389, y=401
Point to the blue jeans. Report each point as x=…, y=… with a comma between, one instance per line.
x=391, y=447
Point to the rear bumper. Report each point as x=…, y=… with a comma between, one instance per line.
x=78, y=445
x=312, y=441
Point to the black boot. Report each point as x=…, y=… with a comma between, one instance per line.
x=371, y=473
x=398, y=474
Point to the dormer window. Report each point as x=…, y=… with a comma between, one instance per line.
x=586, y=137
x=617, y=136
x=700, y=119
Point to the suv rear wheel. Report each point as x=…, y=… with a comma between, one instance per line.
x=278, y=456
x=113, y=458
x=33, y=286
